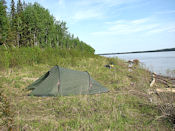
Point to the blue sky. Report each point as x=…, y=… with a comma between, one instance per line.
x=117, y=25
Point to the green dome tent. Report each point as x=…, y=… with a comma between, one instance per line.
x=63, y=82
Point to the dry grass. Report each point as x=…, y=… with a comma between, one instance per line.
x=163, y=96
x=123, y=108
x=6, y=114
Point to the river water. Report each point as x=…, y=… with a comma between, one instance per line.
x=159, y=62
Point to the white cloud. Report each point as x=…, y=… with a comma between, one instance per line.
x=88, y=9
x=140, y=21
x=86, y=14
x=107, y=3
x=144, y=26
x=61, y=2
x=170, y=28
x=166, y=12
x=122, y=27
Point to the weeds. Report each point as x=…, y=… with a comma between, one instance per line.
x=163, y=97
x=125, y=107
x=6, y=116
x=18, y=57
x=166, y=106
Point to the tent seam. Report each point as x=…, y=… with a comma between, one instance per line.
x=59, y=86
x=89, y=78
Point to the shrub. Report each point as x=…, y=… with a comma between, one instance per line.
x=13, y=57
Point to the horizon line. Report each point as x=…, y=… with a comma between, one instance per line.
x=132, y=52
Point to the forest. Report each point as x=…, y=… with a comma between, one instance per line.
x=31, y=25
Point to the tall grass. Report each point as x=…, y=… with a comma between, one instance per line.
x=125, y=107
x=5, y=112
x=14, y=57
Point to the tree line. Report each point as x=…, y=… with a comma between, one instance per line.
x=32, y=25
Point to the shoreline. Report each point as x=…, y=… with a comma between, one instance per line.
x=168, y=81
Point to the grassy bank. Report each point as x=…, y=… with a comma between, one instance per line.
x=126, y=107
x=19, y=57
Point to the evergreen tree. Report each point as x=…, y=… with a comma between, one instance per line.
x=33, y=25
x=13, y=24
x=13, y=10
x=4, y=27
x=19, y=7
x=19, y=25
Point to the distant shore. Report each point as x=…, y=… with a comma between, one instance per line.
x=160, y=50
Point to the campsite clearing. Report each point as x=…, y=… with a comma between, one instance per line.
x=125, y=107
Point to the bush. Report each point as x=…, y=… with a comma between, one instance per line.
x=14, y=57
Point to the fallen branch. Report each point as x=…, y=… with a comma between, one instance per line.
x=168, y=81
x=163, y=82
x=169, y=78
x=166, y=90
x=153, y=80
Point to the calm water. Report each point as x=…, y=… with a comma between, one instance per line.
x=159, y=62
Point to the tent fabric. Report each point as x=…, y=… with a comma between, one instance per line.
x=64, y=82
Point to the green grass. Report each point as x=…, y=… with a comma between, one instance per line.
x=19, y=57
x=125, y=107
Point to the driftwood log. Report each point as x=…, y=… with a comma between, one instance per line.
x=153, y=80
x=166, y=90
x=169, y=82
x=166, y=77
